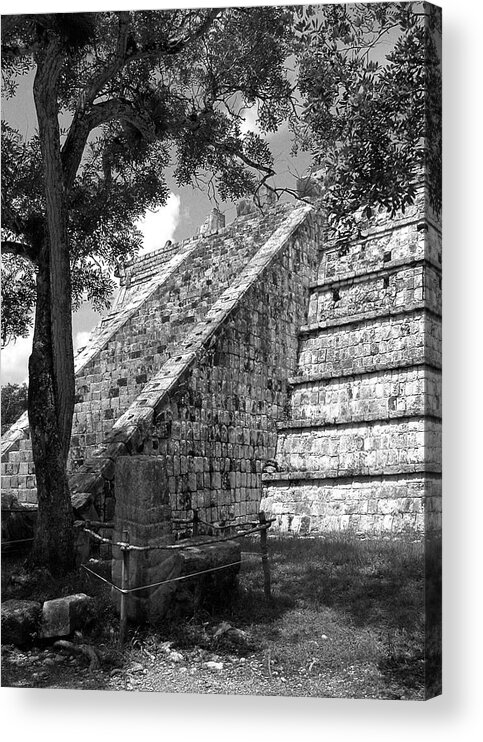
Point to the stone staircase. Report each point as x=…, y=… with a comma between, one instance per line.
x=256, y=361
x=360, y=449
x=161, y=309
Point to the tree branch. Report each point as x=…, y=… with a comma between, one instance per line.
x=177, y=45
x=116, y=64
x=82, y=125
x=101, y=113
x=251, y=163
x=19, y=249
x=10, y=220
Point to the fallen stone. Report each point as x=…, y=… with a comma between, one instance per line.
x=136, y=667
x=216, y=666
x=63, y=616
x=230, y=635
x=20, y=621
x=176, y=657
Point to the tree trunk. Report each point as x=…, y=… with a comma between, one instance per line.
x=45, y=96
x=51, y=365
x=53, y=545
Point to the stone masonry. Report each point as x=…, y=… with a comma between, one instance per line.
x=360, y=448
x=265, y=367
x=191, y=366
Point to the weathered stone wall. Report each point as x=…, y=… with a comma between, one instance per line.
x=167, y=294
x=409, y=337
x=217, y=427
x=210, y=411
x=253, y=363
x=386, y=291
x=390, y=504
x=143, y=514
x=360, y=448
x=109, y=383
x=402, y=445
x=412, y=390
x=383, y=247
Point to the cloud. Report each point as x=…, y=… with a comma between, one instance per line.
x=249, y=121
x=81, y=339
x=156, y=227
x=15, y=358
x=160, y=225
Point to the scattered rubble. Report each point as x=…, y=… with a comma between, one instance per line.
x=63, y=616
x=20, y=620
x=24, y=621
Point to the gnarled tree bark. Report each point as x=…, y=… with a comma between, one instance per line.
x=53, y=544
x=51, y=365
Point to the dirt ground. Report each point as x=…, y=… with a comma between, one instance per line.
x=346, y=621
x=196, y=671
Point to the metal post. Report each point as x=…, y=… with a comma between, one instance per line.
x=264, y=550
x=124, y=586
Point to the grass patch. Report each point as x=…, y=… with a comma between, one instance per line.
x=339, y=604
x=346, y=619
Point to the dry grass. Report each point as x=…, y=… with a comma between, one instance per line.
x=340, y=604
x=346, y=619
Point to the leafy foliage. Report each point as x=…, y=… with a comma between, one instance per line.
x=178, y=97
x=140, y=92
x=373, y=125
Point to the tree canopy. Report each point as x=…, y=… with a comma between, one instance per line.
x=144, y=90
x=138, y=92
x=371, y=119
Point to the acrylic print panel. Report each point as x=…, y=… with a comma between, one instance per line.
x=251, y=501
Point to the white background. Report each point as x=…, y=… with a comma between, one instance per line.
x=69, y=715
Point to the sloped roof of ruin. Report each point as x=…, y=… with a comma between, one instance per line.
x=148, y=273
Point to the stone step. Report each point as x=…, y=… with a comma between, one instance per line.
x=376, y=395
x=313, y=423
x=23, y=481
x=412, y=237
x=361, y=447
x=398, y=504
x=353, y=475
x=375, y=343
x=10, y=468
x=23, y=495
x=19, y=456
x=351, y=375
x=387, y=268
x=378, y=294
x=360, y=317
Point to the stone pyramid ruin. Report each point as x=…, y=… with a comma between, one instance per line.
x=268, y=367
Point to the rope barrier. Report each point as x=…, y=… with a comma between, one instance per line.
x=176, y=547
x=162, y=582
x=99, y=538
x=17, y=541
x=126, y=547
x=100, y=577
x=132, y=547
